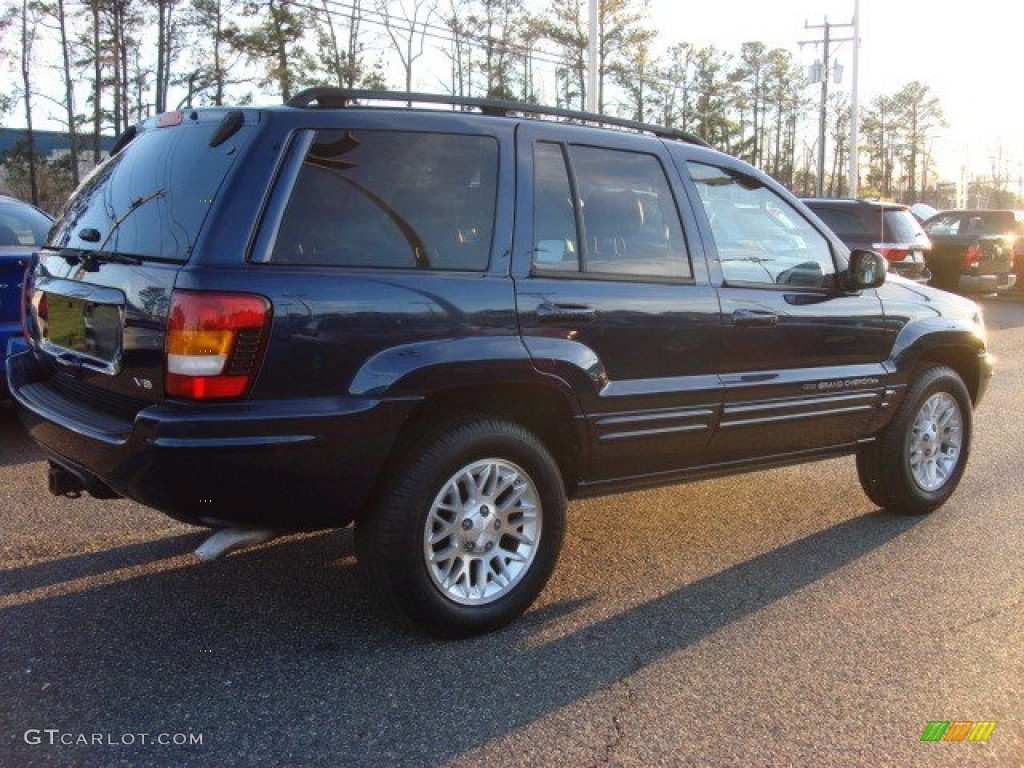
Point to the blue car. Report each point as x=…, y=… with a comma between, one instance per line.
x=22, y=229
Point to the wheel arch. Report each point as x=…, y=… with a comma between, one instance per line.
x=545, y=407
x=962, y=359
x=953, y=342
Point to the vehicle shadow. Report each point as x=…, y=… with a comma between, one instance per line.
x=1003, y=312
x=40, y=575
x=280, y=652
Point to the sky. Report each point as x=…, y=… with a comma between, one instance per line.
x=971, y=55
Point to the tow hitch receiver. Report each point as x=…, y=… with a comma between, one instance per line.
x=64, y=483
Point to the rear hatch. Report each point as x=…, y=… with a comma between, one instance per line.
x=992, y=255
x=973, y=242
x=100, y=292
x=903, y=243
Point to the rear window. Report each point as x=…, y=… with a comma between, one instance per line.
x=22, y=225
x=990, y=223
x=151, y=199
x=900, y=226
x=392, y=199
x=840, y=222
x=972, y=223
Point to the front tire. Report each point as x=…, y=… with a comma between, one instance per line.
x=919, y=458
x=469, y=532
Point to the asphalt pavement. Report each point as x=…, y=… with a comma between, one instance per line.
x=770, y=619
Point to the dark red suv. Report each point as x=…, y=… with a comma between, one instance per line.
x=440, y=324
x=886, y=228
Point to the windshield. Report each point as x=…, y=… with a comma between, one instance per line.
x=151, y=199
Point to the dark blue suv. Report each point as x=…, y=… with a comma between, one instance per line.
x=442, y=323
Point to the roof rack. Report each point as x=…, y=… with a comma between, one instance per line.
x=327, y=97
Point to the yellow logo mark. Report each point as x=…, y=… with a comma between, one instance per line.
x=982, y=730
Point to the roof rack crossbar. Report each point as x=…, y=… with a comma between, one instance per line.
x=328, y=97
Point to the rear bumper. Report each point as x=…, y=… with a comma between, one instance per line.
x=10, y=336
x=288, y=465
x=986, y=367
x=987, y=283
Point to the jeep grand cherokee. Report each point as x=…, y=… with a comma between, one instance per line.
x=440, y=324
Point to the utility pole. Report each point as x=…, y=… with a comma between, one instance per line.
x=855, y=105
x=826, y=72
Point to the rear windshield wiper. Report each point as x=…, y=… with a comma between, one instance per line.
x=91, y=259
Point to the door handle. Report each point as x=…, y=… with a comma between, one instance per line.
x=566, y=313
x=754, y=318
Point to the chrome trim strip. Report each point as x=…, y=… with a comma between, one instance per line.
x=654, y=432
x=800, y=402
x=796, y=416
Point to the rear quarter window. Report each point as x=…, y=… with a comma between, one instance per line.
x=391, y=199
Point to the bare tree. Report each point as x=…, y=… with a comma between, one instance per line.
x=29, y=25
x=275, y=42
x=839, y=121
x=620, y=32
x=635, y=75
x=751, y=80
x=167, y=46
x=460, y=50
x=97, y=83
x=566, y=26
x=675, y=83
x=496, y=25
x=407, y=29
x=330, y=48
x=343, y=58
x=921, y=114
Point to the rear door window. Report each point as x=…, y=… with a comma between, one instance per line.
x=619, y=202
x=391, y=199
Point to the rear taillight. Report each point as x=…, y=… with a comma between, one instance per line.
x=214, y=343
x=973, y=256
x=892, y=252
x=27, y=288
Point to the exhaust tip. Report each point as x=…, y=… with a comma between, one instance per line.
x=229, y=539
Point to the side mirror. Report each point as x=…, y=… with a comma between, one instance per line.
x=867, y=270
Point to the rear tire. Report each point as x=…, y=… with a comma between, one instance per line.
x=919, y=458
x=468, y=533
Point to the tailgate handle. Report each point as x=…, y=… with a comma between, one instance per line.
x=566, y=313
x=754, y=318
